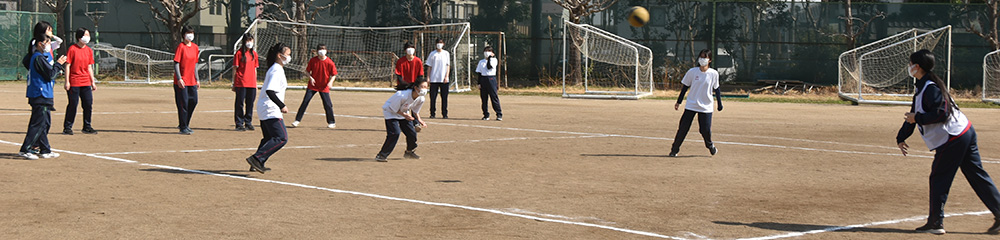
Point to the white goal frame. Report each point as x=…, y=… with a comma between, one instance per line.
x=991, y=77
x=850, y=67
x=638, y=80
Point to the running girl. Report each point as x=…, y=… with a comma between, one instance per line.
x=270, y=106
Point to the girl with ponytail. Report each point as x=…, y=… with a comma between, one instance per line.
x=487, y=69
x=271, y=106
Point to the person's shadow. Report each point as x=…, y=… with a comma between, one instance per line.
x=796, y=227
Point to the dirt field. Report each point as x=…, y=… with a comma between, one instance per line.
x=553, y=169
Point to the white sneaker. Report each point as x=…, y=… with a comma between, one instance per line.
x=332, y=125
x=295, y=124
x=28, y=155
x=50, y=155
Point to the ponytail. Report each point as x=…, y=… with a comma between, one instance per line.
x=489, y=64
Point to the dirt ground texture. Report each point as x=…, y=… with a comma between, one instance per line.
x=553, y=169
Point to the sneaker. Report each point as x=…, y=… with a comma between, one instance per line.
x=672, y=154
x=932, y=229
x=380, y=159
x=186, y=131
x=713, y=150
x=499, y=119
x=28, y=155
x=265, y=169
x=486, y=118
x=410, y=155
x=432, y=116
x=249, y=127
x=255, y=164
x=295, y=124
x=240, y=128
x=332, y=125
x=89, y=130
x=444, y=117
x=50, y=155
x=995, y=229
x=189, y=130
x=67, y=131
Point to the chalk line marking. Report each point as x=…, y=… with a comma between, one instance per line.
x=522, y=211
x=439, y=204
x=849, y=227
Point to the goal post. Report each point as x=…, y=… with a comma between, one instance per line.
x=991, y=77
x=365, y=56
x=610, y=66
x=877, y=73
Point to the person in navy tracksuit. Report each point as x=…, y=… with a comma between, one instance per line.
x=948, y=132
x=41, y=76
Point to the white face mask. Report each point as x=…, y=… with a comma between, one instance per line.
x=85, y=39
x=249, y=44
x=321, y=52
x=424, y=91
x=189, y=36
x=440, y=45
x=48, y=47
x=487, y=54
x=913, y=70
x=410, y=51
x=702, y=62
x=288, y=59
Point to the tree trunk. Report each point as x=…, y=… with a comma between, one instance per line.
x=850, y=25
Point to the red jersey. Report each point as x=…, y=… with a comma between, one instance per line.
x=187, y=56
x=409, y=69
x=321, y=71
x=246, y=64
x=80, y=59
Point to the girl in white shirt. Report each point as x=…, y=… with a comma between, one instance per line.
x=702, y=81
x=402, y=112
x=487, y=69
x=270, y=106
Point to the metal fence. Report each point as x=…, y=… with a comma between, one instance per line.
x=15, y=36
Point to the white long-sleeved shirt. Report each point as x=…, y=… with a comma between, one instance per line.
x=275, y=81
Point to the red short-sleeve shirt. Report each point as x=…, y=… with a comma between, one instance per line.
x=246, y=64
x=187, y=56
x=321, y=71
x=80, y=59
x=409, y=69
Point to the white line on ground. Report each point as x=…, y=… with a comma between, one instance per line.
x=477, y=209
x=522, y=211
x=840, y=228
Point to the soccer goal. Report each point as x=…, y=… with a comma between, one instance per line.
x=599, y=64
x=877, y=73
x=991, y=77
x=119, y=65
x=365, y=56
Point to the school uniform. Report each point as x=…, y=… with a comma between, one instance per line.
x=269, y=105
x=396, y=123
x=186, y=98
x=408, y=70
x=488, y=86
x=700, y=103
x=245, y=84
x=41, y=75
x=949, y=133
x=81, y=86
x=321, y=70
x=440, y=62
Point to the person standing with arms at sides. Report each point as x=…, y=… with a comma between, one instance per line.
x=947, y=132
x=270, y=107
x=40, y=96
x=702, y=81
x=186, y=80
x=322, y=73
x=402, y=112
x=245, y=83
x=410, y=67
x=80, y=82
x=487, y=69
x=439, y=62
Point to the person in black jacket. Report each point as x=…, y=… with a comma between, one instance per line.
x=41, y=77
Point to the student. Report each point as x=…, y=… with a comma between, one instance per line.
x=40, y=30
x=186, y=82
x=80, y=82
x=41, y=76
x=439, y=63
x=245, y=83
x=487, y=69
x=948, y=132
x=402, y=112
x=322, y=73
x=410, y=67
x=702, y=81
x=270, y=107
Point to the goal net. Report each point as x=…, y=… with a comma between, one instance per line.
x=123, y=66
x=991, y=77
x=878, y=72
x=365, y=56
x=599, y=64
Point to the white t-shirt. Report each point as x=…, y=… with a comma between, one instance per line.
x=701, y=85
x=439, y=62
x=402, y=100
x=274, y=81
x=481, y=67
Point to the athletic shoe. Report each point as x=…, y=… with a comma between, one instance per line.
x=265, y=169
x=255, y=164
x=89, y=130
x=672, y=154
x=995, y=229
x=933, y=229
x=380, y=159
x=486, y=118
x=249, y=127
x=332, y=125
x=432, y=116
x=444, y=117
x=28, y=155
x=410, y=155
x=499, y=119
x=713, y=150
x=50, y=155
x=67, y=131
x=240, y=128
x=295, y=124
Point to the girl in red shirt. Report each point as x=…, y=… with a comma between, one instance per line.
x=245, y=82
x=322, y=73
x=80, y=82
x=186, y=80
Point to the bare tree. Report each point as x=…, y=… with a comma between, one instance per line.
x=988, y=30
x=301, y=11
x=424, y=11
x=578, y=9
x=174, y=14
x=850, y=34
x=59, y=7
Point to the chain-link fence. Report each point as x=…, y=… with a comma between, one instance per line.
x=15, y=36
